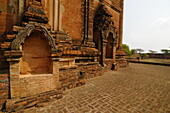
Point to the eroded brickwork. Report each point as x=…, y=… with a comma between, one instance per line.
x=91, y=70
x=48, y=45
x=70, y=78
x=4, y=88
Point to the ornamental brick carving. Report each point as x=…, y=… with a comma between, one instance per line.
x=21, y=36
x=103, y=22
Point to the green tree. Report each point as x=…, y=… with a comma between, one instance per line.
x=133, y=51
x=139, y=50
x=151, y=51
x=165, y=51
x=144, y=55
x=126, y=49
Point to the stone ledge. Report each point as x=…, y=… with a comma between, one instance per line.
x=88, y=63
x=36, y=75
x=68, y=67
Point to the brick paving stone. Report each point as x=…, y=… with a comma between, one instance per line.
x=139, y=88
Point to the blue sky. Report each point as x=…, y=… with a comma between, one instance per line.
x=147, y=24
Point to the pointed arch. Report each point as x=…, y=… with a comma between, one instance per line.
x=23, y=34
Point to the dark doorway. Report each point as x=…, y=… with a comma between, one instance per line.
x=109, y=46
x=97, y=37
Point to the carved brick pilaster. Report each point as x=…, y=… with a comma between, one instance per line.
x=103, y=22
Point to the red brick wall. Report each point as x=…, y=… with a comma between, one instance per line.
x=72, y=77
x=69, y=78
x=91, y=71
x=4, y=88
x=8, y=15
x=3, y=9
x=35, y=84
x=2, y=22
x=9, y=22
x=72, y=18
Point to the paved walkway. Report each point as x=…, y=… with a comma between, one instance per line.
x=139, y=88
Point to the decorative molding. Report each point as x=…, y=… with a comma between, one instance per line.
x=20, y=37
x=49, y=37
x=23, y=34
x=114, y=6
x=103, y=22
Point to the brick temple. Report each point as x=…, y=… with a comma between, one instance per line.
x=47, y=46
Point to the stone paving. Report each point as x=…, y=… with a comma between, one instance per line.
x=139, y=88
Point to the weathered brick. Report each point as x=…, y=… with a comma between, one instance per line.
x=34, y=65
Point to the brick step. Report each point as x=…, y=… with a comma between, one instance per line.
x=9, y=37
x=5, y=45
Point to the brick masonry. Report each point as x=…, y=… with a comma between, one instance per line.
x=91, y=70
x=4, y=88
x=110, y=65
x=139, y=88
x=35, y=84
x=33, y=75
x=71, y=78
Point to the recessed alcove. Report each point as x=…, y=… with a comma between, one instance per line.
x=34, y=67
x=36, y=55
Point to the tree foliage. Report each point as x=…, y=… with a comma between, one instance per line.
x=126, y=49
x=133, y=51
x=151, y=51
x=144, y=55
x=139, y=50
x=165, y=51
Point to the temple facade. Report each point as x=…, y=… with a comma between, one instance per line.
x=47, y=46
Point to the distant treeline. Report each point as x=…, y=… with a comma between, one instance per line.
x=159, y=55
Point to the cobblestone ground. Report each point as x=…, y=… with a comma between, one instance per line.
x=139, y=88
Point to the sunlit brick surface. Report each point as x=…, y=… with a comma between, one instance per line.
x=140, y=88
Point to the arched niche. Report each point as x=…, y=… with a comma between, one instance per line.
x=21, y=36
x=33, y=61
x=36, y=44
x=36, y=55
x=109, y=46
x=104, y=23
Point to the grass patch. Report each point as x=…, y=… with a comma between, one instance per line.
x=164, y=61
